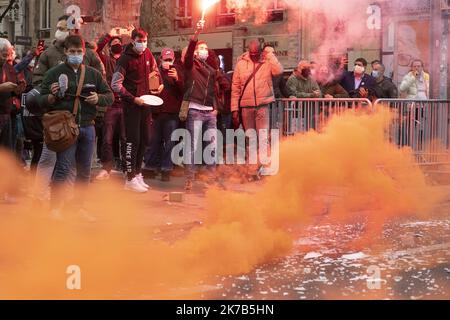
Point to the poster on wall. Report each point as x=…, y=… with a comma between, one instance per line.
x=413, y=42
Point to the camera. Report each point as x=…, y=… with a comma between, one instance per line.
x=86, y=90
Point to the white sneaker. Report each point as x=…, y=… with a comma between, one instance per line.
x=140, y=178
x=102, y=175
x=135, y=185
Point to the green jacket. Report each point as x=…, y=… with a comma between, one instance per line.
x=86, y=112
x=55, y=55
x=301, y=88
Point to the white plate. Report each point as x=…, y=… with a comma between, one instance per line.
x=152, y=100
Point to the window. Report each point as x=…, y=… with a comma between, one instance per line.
x=276, y=5
x=225, y=16
x=45, y=14
x=183, y=17
x=275, y=11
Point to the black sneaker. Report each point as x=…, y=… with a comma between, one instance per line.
x=165, y=176
x=149, y=174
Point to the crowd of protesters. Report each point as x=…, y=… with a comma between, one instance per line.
x=105, y=84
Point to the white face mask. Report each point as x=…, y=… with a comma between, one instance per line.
x=203, y=55
x=359, y=69
x=61, y=35
x=166, y=64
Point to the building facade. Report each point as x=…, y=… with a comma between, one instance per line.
x=393, y=31
x=227, y=30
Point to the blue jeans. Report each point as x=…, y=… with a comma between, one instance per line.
x=44, y=174
x=78, y=156
x=197, y=123
x=158, y=154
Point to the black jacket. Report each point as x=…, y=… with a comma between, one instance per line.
x=200, y=78
x=131, y=77
x=386, y=89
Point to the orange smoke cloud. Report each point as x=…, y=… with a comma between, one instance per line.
x=349, y=170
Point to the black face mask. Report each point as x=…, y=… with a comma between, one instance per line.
x=255, y=56
x=306, y=72
x=116, y=49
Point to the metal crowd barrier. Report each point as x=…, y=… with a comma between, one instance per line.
x=295, y=115
x=422, y=125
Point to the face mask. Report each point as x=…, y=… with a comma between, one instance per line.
x=375, y=73
x=203, y=55
x=140, y=47
x=116, y=49
x=306, y=72
x=75, y=59
x=32, y=63
x=359, y=69
x=255, y=56
x=166, y=64
x=313, y=72
x=60, y=36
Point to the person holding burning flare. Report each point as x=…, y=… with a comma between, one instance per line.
x=200, y=93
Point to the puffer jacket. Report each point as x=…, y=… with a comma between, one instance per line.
x=409, y=85
x=260, y=89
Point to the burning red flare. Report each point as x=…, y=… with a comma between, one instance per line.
x=206, y=4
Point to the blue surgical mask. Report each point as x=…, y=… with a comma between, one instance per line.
x=375, y=73
x=75, y=59
x=140, y=46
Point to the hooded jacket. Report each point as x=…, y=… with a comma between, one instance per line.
x=260, y=90
x=173, y=90
x=131, y=77
x=54, y=55
x=109, y=62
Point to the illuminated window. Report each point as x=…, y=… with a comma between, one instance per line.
x=183, y=17
x=226, y=16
